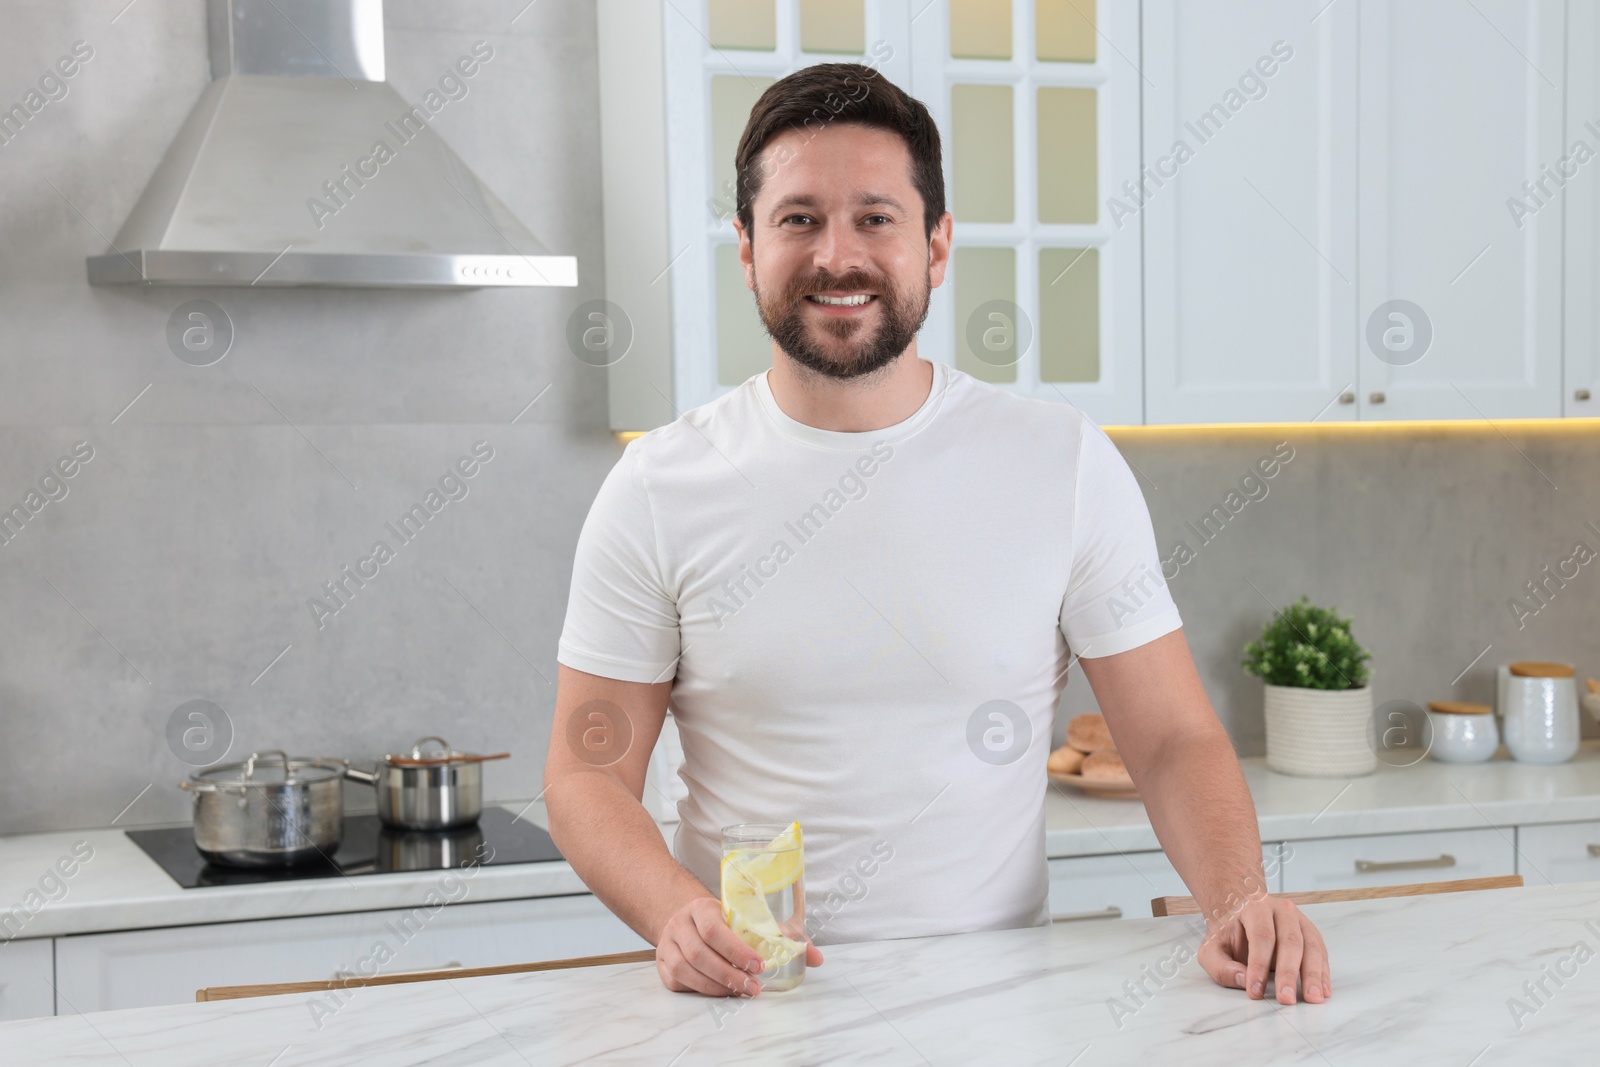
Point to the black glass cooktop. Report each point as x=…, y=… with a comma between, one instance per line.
x=367, y=847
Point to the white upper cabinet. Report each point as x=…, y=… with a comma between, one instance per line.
x=1581, y=395
x=1249, y=204
x=1461, y=104
x=1166, y=211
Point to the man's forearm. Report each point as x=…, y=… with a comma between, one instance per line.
x=615, y=846
x=1202, y=814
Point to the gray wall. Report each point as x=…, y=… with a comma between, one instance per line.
x=1422, y=535
x=178, y=565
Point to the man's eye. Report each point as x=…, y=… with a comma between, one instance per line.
x=792, y=218
x=885, y=218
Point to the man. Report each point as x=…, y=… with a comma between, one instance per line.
x=860, y=579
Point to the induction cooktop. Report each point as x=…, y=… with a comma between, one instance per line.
x=367, y=847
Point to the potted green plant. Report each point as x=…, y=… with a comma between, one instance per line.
x=1318, y=704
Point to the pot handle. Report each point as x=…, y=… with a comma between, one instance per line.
x=199, y=787
x=250, y=764
x=364, y=777
x=416, y=749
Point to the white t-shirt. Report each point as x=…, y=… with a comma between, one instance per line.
x=870, y=633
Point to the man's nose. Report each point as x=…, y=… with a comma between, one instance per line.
x=840, y=249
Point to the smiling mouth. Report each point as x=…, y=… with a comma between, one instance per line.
x=852, y=300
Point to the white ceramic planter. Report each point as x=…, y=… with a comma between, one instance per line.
x=1319, y=733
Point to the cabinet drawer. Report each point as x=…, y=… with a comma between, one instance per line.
x=1397, y=859
x=1559, y=853
x=27, y=987
x=1121, y=886
x=140, y=968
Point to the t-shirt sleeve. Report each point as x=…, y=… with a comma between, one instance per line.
x=622, y=620
x=1116, y=596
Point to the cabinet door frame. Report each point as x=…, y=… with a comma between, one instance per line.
x=1330, y=42
x=27, y=978
x=1534, y=390
x=1118, y=396
x=1581, y=340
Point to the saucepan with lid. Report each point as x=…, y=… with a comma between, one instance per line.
x=269, y=811
x=434, y=789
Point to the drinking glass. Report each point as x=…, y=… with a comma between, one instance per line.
x=763, y=897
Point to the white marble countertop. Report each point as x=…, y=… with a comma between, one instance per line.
x=1415, y=980
x=121, y=888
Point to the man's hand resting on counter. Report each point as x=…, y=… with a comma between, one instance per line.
x=1268, y=934
x=699, y=953
x=1194, y=791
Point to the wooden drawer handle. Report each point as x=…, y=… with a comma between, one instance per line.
x=1444, y=860
x=1594, y=850
x=1112, y=912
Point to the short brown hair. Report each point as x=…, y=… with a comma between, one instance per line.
x=853, y=93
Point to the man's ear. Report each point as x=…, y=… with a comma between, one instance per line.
x=939, y=249
x=747, y=255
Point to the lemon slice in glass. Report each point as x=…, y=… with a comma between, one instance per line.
x=748, y=877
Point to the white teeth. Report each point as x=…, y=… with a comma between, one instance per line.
x=842, y=301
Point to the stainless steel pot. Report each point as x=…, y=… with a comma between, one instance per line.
x=436, y=790
x=269, y=811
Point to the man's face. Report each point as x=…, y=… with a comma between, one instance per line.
x=838, y=258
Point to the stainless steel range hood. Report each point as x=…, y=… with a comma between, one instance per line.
x=300, y=165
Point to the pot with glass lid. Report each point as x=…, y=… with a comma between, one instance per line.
x=269, y=811
x=428, y=788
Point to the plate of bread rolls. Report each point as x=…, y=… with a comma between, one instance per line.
x=1089, y=760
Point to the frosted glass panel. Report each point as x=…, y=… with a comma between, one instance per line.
x=981, y=153
x=1068, y=160
x=732, y=97
x=987, y=327
x=1064, y=30
x=1069, y=315
x=743, y=24
x=980, y=29
x=743, y=347
x=833, y=26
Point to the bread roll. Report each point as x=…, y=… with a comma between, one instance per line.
x=1105, y=767
x=1064, y=760
x=1088, y=733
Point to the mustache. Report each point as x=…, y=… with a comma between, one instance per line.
x=801, y=287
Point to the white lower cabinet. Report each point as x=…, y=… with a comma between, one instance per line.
x=1558, y=853
x=140, y=968
x=25, y=979
x=1121, y=885
x=1398, y=859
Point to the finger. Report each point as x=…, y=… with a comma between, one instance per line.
x=678, y=976
x=1260, y=939
x=711, y=963
x=1216, y=961
x=813, y=955
x=1290, y=949
x=714, y=931
x=1314, y=974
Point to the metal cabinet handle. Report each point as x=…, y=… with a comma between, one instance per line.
x=1594, y=850
x=1347, y=397
x=1376, y=398
x=1444, y=860
x=1112, y=912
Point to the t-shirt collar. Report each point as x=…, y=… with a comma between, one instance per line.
x=844, y=441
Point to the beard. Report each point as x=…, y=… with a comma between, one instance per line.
x=844, y=347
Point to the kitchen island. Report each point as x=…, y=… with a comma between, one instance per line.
x=1492, y=977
